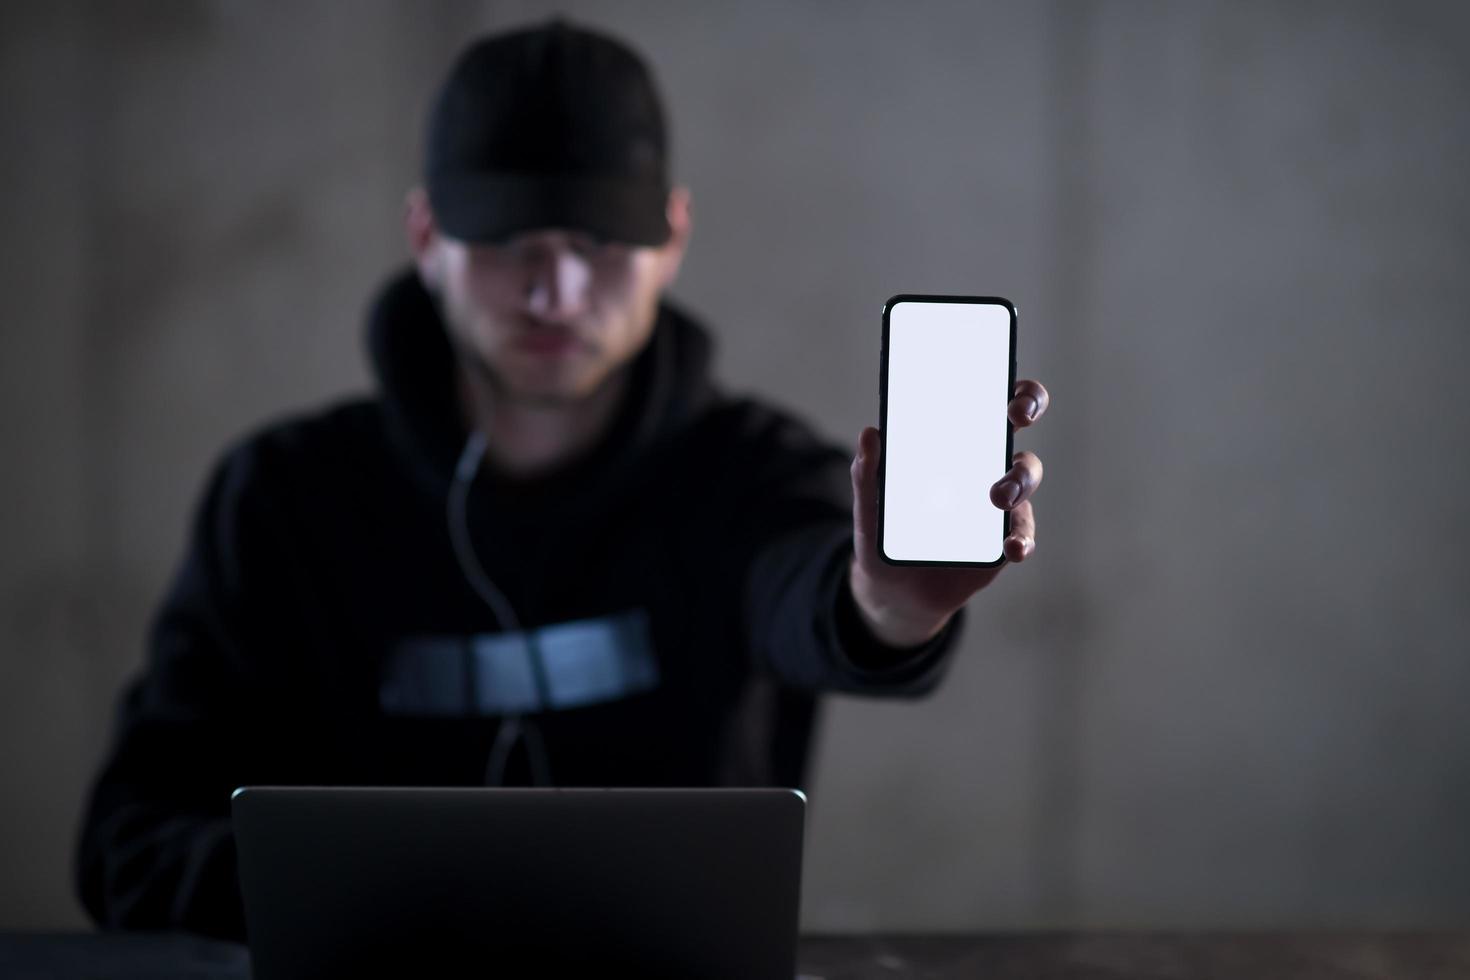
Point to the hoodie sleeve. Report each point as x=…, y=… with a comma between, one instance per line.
x=807, y=630
x=155, y=849
x=802, y=621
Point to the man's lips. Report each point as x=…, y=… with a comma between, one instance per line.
x=548, y=342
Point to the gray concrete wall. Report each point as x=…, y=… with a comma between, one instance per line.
x=1228, y=692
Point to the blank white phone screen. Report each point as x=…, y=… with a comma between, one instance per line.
x=945, y=430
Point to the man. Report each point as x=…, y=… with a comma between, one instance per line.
x=551, y=551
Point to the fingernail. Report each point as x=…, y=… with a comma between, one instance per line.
x=1035, y=406
x=1027, y=546
x=1005, y=492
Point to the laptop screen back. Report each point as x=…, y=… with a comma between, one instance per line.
x=653, y=882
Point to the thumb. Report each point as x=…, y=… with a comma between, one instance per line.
x=865, y=492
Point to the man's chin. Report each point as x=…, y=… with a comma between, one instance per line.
x=543, y=398
x=550, y=386
x=549, y=392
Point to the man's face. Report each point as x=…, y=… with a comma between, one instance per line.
x=550, y=315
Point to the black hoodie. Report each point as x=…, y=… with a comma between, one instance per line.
x=706, y=535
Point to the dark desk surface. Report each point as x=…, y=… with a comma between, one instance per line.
x=1049, y=956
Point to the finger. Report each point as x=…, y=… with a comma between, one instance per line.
x=865, y=491
x=1019, y=483
x=1021, y=541
x=1028, y=403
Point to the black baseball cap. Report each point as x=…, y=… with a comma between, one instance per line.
x=555, y=126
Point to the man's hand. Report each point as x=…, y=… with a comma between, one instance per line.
x=907, y=605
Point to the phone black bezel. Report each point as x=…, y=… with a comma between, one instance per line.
x=883, y=421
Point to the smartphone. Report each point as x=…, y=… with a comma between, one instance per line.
x=948, y=370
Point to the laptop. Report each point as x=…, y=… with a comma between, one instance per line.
x=520, y=882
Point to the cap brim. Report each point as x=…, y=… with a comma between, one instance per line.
x=493, y=207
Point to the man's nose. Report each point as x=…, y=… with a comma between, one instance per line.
x=558, y=285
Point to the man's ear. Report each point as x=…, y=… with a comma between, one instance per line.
x=680, y=215
x=423, y=237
